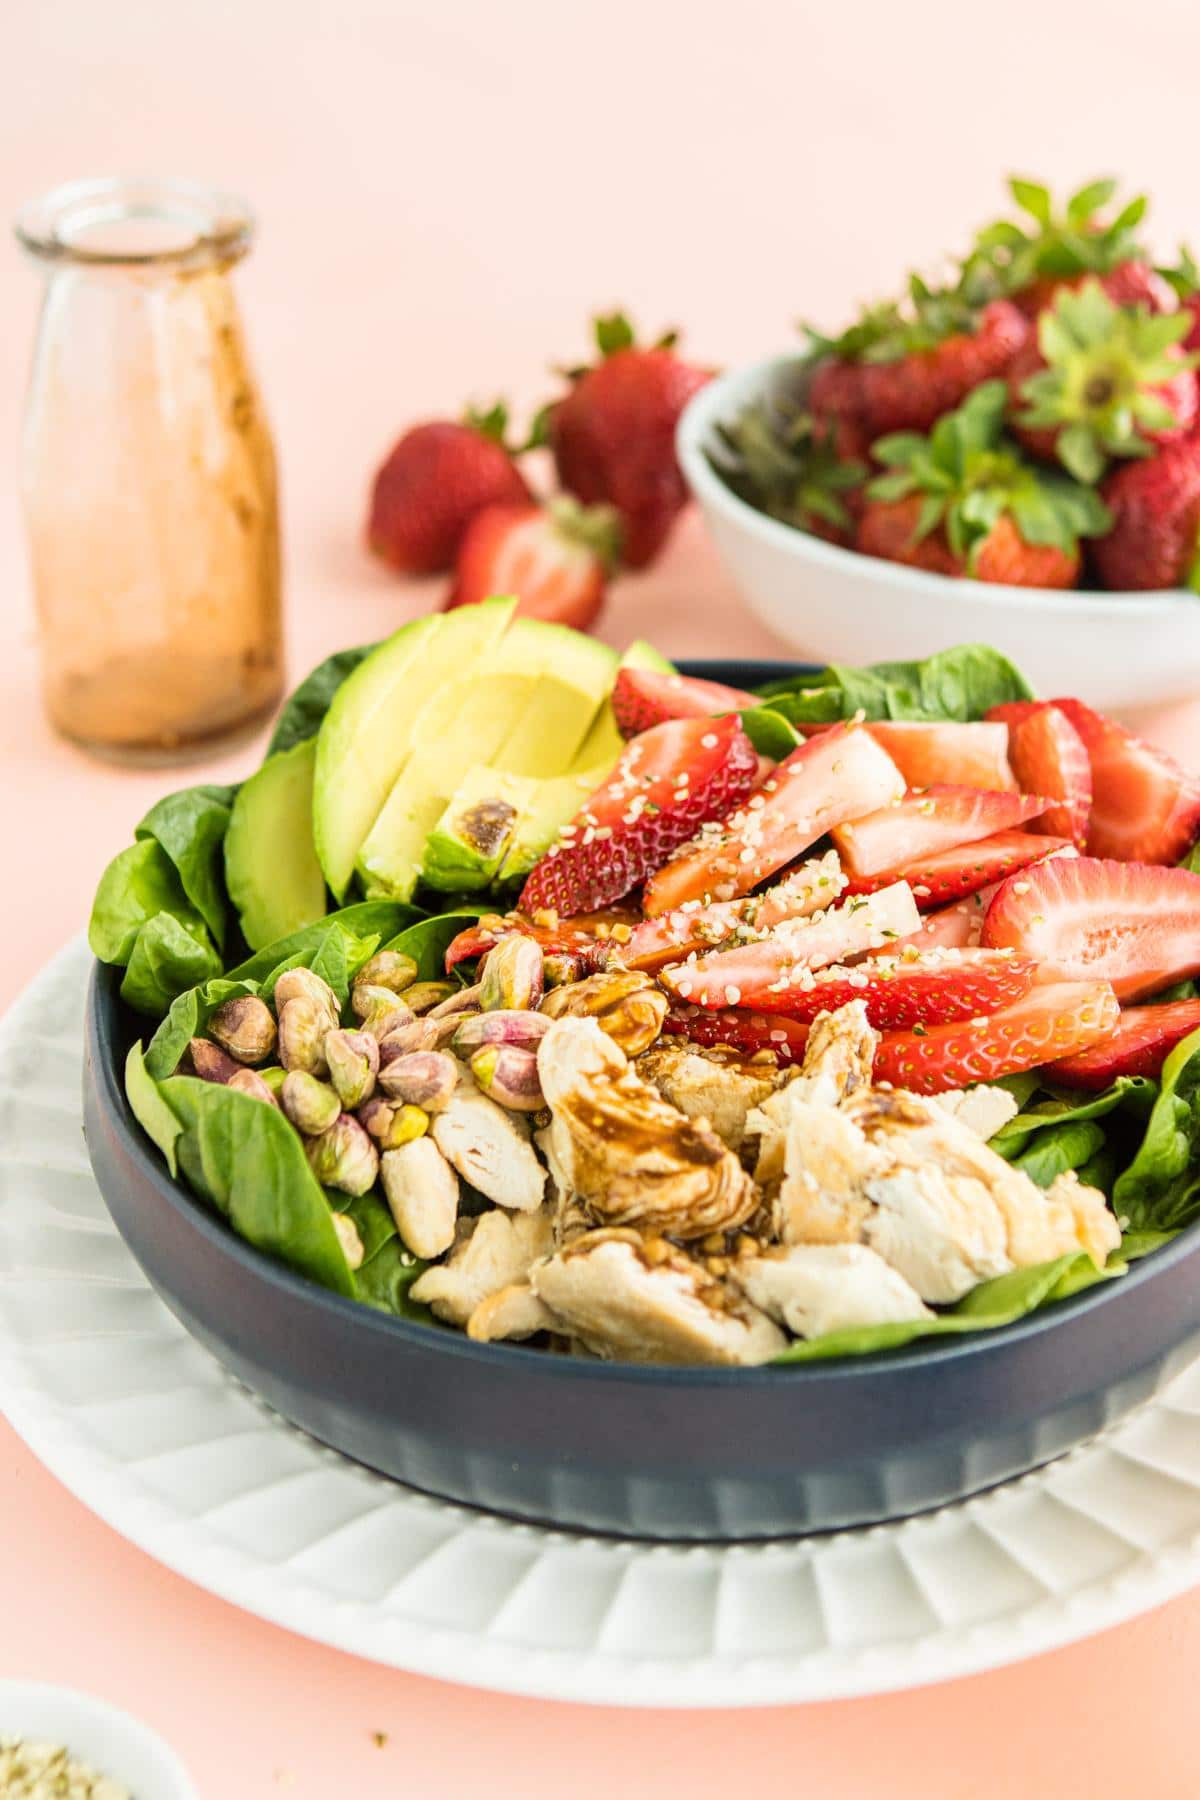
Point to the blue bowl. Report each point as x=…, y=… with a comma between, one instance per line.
x=645, y=1452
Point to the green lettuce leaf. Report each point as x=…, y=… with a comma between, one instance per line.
x=1060, y=1107
x=244, y=1158
x=961, y=684
x=170, y=955
x=138, y=884
x=769, y=732
x=428, y=940
x=304, y=710
x=1068, y=1145
x=149, y=1108
x=1160, y=1190
x=190, y=826
x=382, y=919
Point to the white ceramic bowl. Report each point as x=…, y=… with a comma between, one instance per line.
x=103, y=1736
x=1120, y=650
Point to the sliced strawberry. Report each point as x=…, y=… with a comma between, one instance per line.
x=1048, y=756
x=744, y=1031
x=588, y=936
x=643, y=697
x=923, y=988
x=957, y=927
x=1045, y=1024
x=671, y=936
x=1144, y=1038
x=839, y=775
x=668, y=782
x=769, y=973
x=1145, y=807
x=921, y=824
x=951, y=874
x=1080, y=917
x=972, y=755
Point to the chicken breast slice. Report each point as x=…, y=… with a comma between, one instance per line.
x=492, y=1251
x=422, y=1193
x=608, y=1292
x=985, y=1109
x=815, y=1288
x=838, y=1059
x=489, y=1147
x=628, y=1155
x=511, y=1312
x=717, y=1085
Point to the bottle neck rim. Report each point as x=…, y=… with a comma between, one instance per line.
x=135, y=223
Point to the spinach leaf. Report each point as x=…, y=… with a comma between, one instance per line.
x=190, y=826
x=306, y=707
x=1061, y=1107
x=992, y=1303
x=169, y=956
x=137, y=884
x=963, y=683
x=243, y=1156
x=336, y=956
x=387, y=1270
x=769, y=732
x=1067, y=1145
x=187, y=1018
x=428, y=940
x=1179, y=990
x=1100, y=1170
x=1192, y=859
x=149, y=1108
x=1160, y=1190
x=380, y=918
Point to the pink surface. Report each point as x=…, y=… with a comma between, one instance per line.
x=445, y=193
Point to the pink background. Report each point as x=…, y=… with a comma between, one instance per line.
x=446, y=192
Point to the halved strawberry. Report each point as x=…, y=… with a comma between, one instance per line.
x=644, y=697
x=923, y=988
x=951, y=874
x=1045, y=1024
x=748, y=1032
x=771, y=971
x=1081, y=917
x=1145, y=807
x=667, y=783
x=1048, y=756
x=669, y=938
x=1144, y=1038
x=921, y=824
x=971, y=755
x=839, y=775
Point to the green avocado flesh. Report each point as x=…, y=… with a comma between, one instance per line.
x=271, y=868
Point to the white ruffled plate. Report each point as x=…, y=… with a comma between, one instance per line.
x=146, y=1428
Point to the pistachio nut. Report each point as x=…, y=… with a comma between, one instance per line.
x=389, y=969
x=512, y=974
x=343, y=1157
x=628, y=1005
x=461, y=1000
x=560, y=966
x=249, y=1081
x=509, y=1075
x=379, y=1010
x=274, y=1076
x=210, y=1062
x=502, y=1027
x=353, y=1058
x=302, y=1028
x=303, y=984
x=409, y=1034
x=349, y=1239
x=245, y=1028
x=392, y=1126
x=311, y=1105
x=425, y=1078
x=427, y=994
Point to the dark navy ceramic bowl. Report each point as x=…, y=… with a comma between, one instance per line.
x=651, y=1453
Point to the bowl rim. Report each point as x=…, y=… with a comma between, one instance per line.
x=728, y=391
x=74, y=1706
x=104, y=1010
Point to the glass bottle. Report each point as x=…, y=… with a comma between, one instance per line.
x=148, y=474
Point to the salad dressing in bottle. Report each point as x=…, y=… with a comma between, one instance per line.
x=148, y=474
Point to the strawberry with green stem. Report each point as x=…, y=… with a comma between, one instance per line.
x=1184, y=280
x=1101, y=381
x=778, y=458
x=1032, y=259
x=962, y=501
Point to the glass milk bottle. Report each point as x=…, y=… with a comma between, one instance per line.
x=148, y=474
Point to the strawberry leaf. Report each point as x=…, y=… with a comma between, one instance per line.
x=613, y=333
x=1032, y=198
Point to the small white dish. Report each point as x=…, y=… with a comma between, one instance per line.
x=108, y=1740
x=1123, y=650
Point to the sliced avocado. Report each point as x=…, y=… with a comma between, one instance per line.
x=641, y=655
x=367, y=735
x=271, y=867
x=469, y=842
x=578, y=674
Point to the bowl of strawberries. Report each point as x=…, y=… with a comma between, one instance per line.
x=1011, y=457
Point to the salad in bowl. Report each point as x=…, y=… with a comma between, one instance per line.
x=569, y=1001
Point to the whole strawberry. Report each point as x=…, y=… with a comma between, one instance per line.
x=1034, y=258
x=1155, y=536
x=961, y=501
x=1184, y=280
x=1102, y=381
x=431, y=485
x=613, y=434
x=900, y=371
